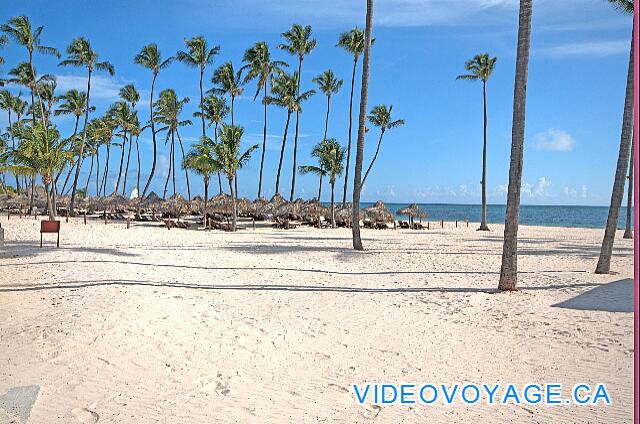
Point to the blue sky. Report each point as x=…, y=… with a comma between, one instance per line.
x=576, y=85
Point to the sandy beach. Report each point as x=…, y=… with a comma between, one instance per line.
x=148, y=325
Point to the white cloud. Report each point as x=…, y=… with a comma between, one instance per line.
x=554, y=140
x=589, y=48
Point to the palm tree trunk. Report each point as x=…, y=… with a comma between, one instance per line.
x=97, y=169
x=509, y=269
x=138, y=152
x=284, y=142
x=50, y=212
x=264, y=141
x=364, y=96
x=295, y=141
x=375, y=156
x=333, y=208
x=124, y=142
x=173, y=161
x=34, y=89
x=33, y=192
x=483, y=223
x=52, y=191
x=628, y=231
x=13, y=146
x=126, y=170
x=326, y=119
x=106, y=171
x=186, y=172
x=320, y=189
x=215, y=137
x=206, y=197
x=153, y=138
x=73, y=137
x=166, y=184
x=204, y=131
x=86, y=186
x=84, y=138
x=233, y=205
x=346, y=170
x=604, y=262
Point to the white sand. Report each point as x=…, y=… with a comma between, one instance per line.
x=147, y=325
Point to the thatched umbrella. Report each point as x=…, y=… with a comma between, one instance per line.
x=378, y=213
x=221, y=204
x=412, y=211
x=116, y=203
x=312, y=210
x=244, y=207
x=151, y=201
x=175, y=205
x=196, y=205
x=257, y=208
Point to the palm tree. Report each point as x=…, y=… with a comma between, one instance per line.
x=7, y=101
x=22, y=75
x=227, y=81
x=284, y=95
x=261, y=67
x=229, y=160
x=214, y=110
x=47, y=92
x=198, y=54
x=604, y=261
x=628, y=231
x=73, y=103
x=362, y=118
x=334, y=164
x=481, y=68
x=150, y=58
x=380, y=116
x=122, y=115
x=509, y=269
x=130, y=94
x=20, y=30
x=42, y=152
x=19, y=107
x=80, y=54
x=201, y=160
x=298, y=42
x=168, y=109
x=329, y=85
x=318, y=152
x=3, y=42
x=353, y=42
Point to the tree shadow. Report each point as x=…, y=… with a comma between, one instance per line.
x=270, y=287
x=18, y=249
x=611, y=297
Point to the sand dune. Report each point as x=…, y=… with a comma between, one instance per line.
x=147, y=325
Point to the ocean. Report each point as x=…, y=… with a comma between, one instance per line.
x=554, y=216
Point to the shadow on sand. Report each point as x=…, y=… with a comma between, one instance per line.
x=611, y=297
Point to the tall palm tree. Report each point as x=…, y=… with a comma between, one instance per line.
x=628, y=229
x=334, y=164
x=480, y=68
x=199, y=54
x=509, y=268
x=20, y=30
x=47, y=92
x=7, y=101
x=227, y=81
x=283, y=94
x=130, y=94
x=362, y=120
x=3, y=42
x=352, y=42
x=380, y=116
x=298, y=43
x=229, y=159
x=150, y=57
x=42, y=152
x=123, y=118
x=318, y=152
x=73, y=103
x=604, y=261
x=261, y=67
x=214, y=110
x=19, y=107
x=80, y=54
x=329, y=85
x=201, y=160
x=167, y=113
